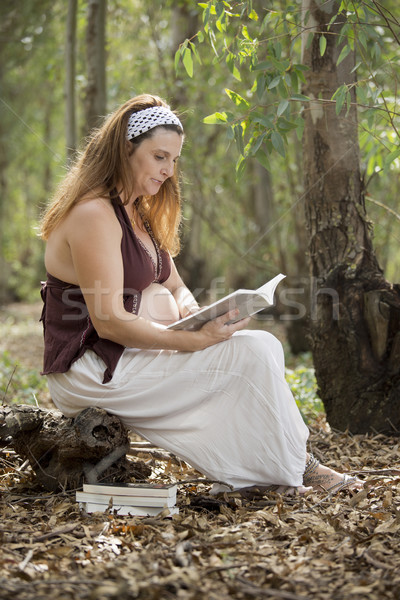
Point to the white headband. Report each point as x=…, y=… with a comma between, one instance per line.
x=148, y=118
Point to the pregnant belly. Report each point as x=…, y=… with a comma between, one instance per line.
x=158, y=305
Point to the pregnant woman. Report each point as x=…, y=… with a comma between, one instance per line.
x=216, y=397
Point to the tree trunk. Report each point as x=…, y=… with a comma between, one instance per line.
x=70, y=60
x=65, y=452
x=355, y=317
x=184, y=24
x=4, y=267
x=4, y=136
x=96, y=63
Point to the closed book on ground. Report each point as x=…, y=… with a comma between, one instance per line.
x=132, y=489
x=140, y=511
x=248, y=302
x=154, y=501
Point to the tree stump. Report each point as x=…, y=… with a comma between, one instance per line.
x=64, y=452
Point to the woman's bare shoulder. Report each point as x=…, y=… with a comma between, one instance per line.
x=93, y=207
x=93, y=212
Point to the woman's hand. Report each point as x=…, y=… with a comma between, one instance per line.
x=219, y=329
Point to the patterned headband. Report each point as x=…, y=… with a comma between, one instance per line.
x=148, y=118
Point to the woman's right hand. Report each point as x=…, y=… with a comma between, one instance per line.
x=219, y=329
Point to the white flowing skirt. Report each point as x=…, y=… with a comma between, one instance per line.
x=226, y=410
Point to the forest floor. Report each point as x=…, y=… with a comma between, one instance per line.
x=265, y=546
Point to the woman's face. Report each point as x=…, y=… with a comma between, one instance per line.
x=153, y=161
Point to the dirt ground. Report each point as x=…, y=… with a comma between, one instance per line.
x=260, y=546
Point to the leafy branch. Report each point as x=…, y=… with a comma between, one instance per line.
x=252, y=46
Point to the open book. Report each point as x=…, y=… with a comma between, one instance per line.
x=248, y=302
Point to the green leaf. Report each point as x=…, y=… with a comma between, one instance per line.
x=216, y=118
x=282, y=89
x=206, y=14
x=187, y=60
x=322, y=45
x=262, y=66
x=240, y=167
x=348, y=101
x=277, y=142
x=361, y=95
x=340, y=96
x=370, y=115
x=253, y=15
x=280, y=65
x=220, y=26
x=345, y=51
x=263, y=159
x=255, y=143
x=339, y=103
x=265, y=120
x=275, y=82
x=245, y=33
x=230, y=134
x=356, y=66
x=283, y=124
x=219, y=9
x=300, y=67
x=230, y=61
x=196, y=54
x=300, y=97
x=261, y=85
x=331, y=22
x=391, y=157
x=177, y=59
x=237, y=99
x=238, y=130
x=362, y=38
x=283, y=104
x=300, y=128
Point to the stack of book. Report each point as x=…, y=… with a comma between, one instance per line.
x=143, y=499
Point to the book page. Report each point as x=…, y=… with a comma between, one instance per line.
x=248, y=302
x=131, y=489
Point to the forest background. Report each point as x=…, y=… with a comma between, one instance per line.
x=296, y=170
x=64, y=64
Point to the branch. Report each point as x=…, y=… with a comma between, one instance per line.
x=381, y=205
x=381, y=10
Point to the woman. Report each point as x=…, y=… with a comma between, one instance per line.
x=216, y=397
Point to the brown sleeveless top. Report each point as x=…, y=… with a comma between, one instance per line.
x=67, y=327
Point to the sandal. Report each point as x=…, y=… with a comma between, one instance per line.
x=347, y=481
x=309, y=472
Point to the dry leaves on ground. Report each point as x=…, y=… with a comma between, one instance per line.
x=266, y=546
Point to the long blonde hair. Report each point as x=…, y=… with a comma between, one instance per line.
x=104, y=164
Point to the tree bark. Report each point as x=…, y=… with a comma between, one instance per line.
x=355, y=315
x=65, y=452
x=70, y=69
x=96, y=99
x=184, y=24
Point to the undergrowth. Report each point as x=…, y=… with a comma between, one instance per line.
x=19, y=384
x=302, y=382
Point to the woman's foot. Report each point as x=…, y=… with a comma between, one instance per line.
x=324, y=479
